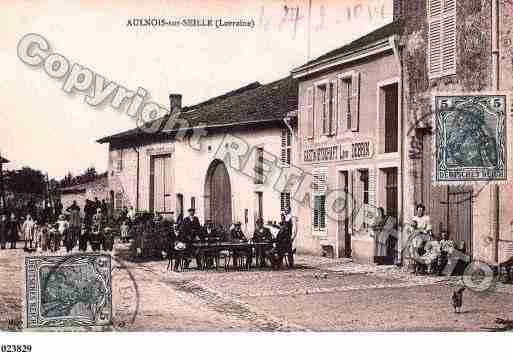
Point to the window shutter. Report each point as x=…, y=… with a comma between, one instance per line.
x=332, y=110
x=310, y=114
x=355, y=101
x=283, y=146
x=325, y=100
x=435, y=47
x=286, y=142
x=442, y=37
x=372, y=187
x=449, y=44
x=435, y=8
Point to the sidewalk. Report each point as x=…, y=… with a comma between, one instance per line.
x=346, y=265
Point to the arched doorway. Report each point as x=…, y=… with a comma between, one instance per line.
x=218, y=194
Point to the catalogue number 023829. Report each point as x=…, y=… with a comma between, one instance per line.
x=15, y=348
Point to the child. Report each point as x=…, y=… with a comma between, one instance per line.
x=44, y=238
x=54, y=238
x=84, y=238
x=28, y=231
x=124, y=232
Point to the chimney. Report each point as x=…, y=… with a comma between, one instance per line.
x=175, y=100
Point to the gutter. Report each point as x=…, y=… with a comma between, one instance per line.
x=361, y=53
x=394, y=44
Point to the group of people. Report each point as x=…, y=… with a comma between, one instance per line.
x=66, y=230
x=180, y=237
x=428, y=254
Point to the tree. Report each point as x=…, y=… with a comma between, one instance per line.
x=26, y=180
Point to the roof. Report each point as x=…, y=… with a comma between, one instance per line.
x=381, y=33
x=252, y=104
x=78, y=188
x=4, y=160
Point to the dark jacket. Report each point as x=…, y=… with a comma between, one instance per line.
x=262, y=236
x=206, y=233
x=190, y=227
x=237, y=235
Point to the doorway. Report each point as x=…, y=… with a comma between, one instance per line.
x=160, y=183
x=344, y=236
x=218, y=195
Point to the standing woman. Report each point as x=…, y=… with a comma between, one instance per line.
x=13, y=230
x=422, y=225
x=28, y=231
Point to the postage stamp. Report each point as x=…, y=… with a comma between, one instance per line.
x=471, y=138
x=68, y=291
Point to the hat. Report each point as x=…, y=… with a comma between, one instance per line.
x=191, y=210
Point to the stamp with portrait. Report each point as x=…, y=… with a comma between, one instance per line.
x=471, y=138
x=71, y=291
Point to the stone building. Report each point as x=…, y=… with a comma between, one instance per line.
x=89, y=190
x=222, y=157
x=350, y=140
x=345, y=102
x=450, y=46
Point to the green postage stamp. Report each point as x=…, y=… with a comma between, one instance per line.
x=471, y=138
x=68, y=291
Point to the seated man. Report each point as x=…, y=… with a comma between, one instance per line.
x=238, y=236
x=261, y=235
x=209, y=232
x=283, y=246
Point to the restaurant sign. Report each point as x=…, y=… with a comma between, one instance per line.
x=341, y=152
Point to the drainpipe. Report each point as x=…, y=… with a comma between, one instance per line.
x=394, y=43
x=137, y=181
x=494, y=189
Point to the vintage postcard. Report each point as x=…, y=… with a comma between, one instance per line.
x=255, y=166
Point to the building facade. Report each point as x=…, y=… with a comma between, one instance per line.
x=456, y=47
x=99, y=188
x=350, y=141
x=222, y=157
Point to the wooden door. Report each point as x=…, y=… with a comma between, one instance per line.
x=160, y=183
x=219, y=196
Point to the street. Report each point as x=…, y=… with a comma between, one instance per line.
x=319, y=295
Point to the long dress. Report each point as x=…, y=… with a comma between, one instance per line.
x=28, y=232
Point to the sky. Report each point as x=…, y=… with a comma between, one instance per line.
x=44, y=127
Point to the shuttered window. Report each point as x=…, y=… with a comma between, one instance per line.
x=284, y=201
x=326, y=94
x=349, y=102
x=309, y=113
x=286, y=147
x=259, y=166
x=442, y=38
x=319, y=187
